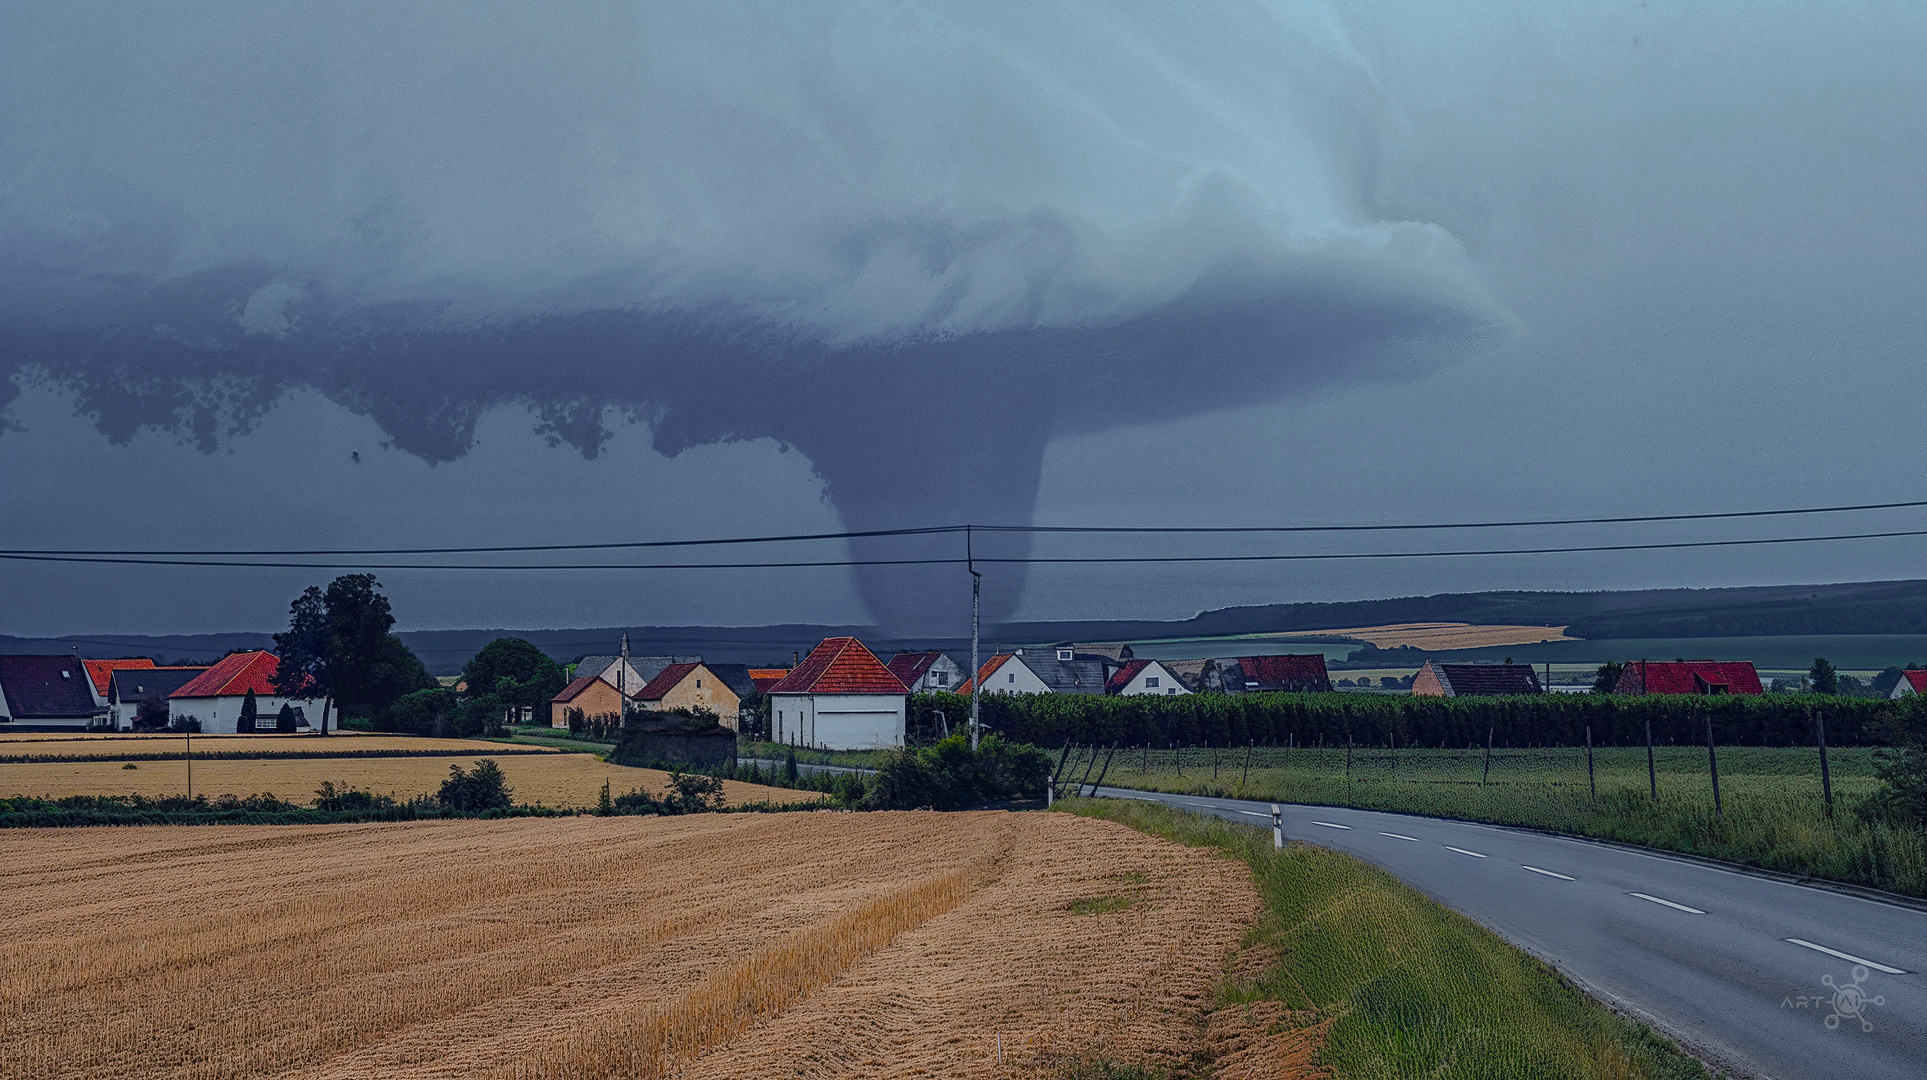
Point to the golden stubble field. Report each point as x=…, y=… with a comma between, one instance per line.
x=110, y=745
x=815, y=945
x=560, y=780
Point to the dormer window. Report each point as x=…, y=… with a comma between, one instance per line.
x=1064, y=655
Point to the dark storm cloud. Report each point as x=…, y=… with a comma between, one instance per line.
x=912, y=241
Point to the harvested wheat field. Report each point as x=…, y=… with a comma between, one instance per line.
x=813, y=945
x=340, y=743
x=561, y=780
x=1446, y=635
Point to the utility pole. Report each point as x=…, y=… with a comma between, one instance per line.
x=977, y=675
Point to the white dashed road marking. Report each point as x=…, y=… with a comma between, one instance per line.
x=1848, y=957
x=1400, y=836
x=1462, y=851
x=1329, y=825
x=1547, y=873
x=1668, y=903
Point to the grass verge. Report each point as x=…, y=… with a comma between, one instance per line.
x=1772, y=816
x=1403, y=986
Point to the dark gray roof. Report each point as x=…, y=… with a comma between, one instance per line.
x=134, y=685
x=46, y=688
x=734, y=676
x=1083, y=675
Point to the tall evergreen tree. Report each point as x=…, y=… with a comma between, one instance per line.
x=250, y=712
x=1825, y=680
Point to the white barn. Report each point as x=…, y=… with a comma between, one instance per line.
x=215, y=696
x=841, y=697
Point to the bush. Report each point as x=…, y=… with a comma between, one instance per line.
x=949, y=776
x=284, y=720
x=424, y=712
x=693, y=793
x=477, y=791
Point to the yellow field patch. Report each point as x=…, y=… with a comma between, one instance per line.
x=1440, y=636
x=563, y=780
x=119, y=745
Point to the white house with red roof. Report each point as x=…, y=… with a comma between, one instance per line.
x=215, y=696
x=1911, y=682
x=1005, y=673
x=100, y=674
x=927, y=672
x=1139, y=677
x=841, y=697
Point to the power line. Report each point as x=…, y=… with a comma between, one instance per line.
x=963, y=561
x=949, y=529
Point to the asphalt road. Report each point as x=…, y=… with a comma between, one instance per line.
x=1746, y=971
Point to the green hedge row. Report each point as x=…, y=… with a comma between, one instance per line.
x=1379, y=719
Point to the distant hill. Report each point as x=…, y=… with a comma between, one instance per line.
x=1876, y=607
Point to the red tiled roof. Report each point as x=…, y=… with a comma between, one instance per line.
x=574, y=690
x=665, y=681
x=908, y=667
x=1122, y=677
x=988, y=669
x=1689, y=677
x=102, y=671
x=766, y=677
x=840, y=665
x=233, y=676
x=1917, y=680
x=1285, y=669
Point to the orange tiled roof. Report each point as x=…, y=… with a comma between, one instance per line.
x=840, y=665
x=985, y=672
x=232, y=676
x=102, y=671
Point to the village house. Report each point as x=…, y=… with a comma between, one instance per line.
x=589, y=695
x=1294, y=672
x=128, y=688
x=841, y=697
x=1474, y=680
x=1688, y=677
x=215, y=696
x=1060, y=670
x=628, y=673
x=1911, y=682
x=927, y=672
x=1005, y=673
x=47, y=693
x=1139, y=677
x=691, y=686
x=99, y=672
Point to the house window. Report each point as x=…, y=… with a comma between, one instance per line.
x=1012, y=677
x=938, y=678
x=1171, y=690
x=1064, y=654
x=1151, y=682
x=699, y=684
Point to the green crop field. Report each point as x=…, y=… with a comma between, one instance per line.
x=1772, y=812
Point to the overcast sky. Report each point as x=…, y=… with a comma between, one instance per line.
x=584, y=272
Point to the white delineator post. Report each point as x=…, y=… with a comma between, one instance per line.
x=1277, y=826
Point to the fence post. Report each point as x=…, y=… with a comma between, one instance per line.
x=1058, y=773
x=1826, y=777
x=1393, y=735
x=1487, y=775
x=1088, y=766
x=1177, y=755
x=1592, y=784
x=1215, y=752
x=1145, y=767
x=1247, y=776
x=1105, y=771
x=1652, y=774
x=1348, y=764
x=1713, y=764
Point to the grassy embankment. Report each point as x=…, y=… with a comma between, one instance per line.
x=855, y=759
x=1402, y=986
x=1773, y=815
